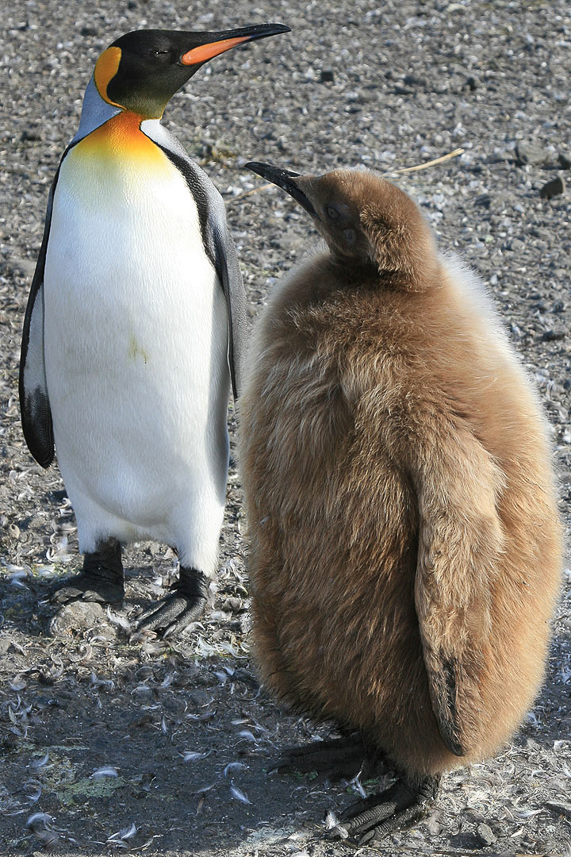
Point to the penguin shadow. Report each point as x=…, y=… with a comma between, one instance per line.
x=181, y=733
x=203, y=736
x=194, y=738
x=26, y=588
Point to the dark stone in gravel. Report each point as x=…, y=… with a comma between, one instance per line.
x=560, y=808
x=516, y=245
x=555, y=187
x=413, y=80
x=327, y=76
x=553, y=335
x=564, y=161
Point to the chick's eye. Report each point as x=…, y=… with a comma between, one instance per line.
x=332, y=213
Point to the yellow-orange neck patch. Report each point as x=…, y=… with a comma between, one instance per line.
x=105, y=69
x=120, y=140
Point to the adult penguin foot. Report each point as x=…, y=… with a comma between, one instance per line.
x=395, y=808
x=174, y=613
x=334, y=759
x=100, y=580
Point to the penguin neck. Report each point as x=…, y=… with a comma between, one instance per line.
x=95, y=112
x=121, y=140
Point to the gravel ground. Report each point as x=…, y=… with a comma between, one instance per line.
x=164, y=748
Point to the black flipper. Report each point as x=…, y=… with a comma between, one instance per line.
x=34, y=401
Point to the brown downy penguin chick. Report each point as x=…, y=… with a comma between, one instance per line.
x=405, y=541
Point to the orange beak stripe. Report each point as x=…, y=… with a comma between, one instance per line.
x=206, y=52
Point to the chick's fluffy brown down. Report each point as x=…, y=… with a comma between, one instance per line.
x=405, y=543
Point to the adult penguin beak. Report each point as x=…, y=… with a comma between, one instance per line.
x=218, y=43
x=286, y=179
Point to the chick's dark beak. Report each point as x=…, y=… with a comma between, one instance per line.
x=218, y=43
x=284, y=179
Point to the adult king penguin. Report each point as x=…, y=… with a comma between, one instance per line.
x=405, y=541
x=135, y=326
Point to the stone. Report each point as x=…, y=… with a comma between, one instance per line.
x=79, y=616
x=532, y=153
x=553, y=335
x=486, y=834
x=555, y=187
x=562, y=809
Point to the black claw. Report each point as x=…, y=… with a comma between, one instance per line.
x=172, y=615
x=101, y=579
x=396, y=808
x=177, y=611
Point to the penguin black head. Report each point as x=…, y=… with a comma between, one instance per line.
x=364, y=220
x=142, y=70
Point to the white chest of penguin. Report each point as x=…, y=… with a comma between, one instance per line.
x=135, y=325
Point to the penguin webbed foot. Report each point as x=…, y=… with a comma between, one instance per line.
x=395, y=808
x=334, y=759
x=177, y=611
x=100, y=580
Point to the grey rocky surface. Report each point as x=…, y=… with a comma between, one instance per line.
x=109, y=744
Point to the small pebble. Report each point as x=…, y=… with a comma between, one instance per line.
x=553, y=335
x=532, y=153
x=555, y=187
x=486, y=834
